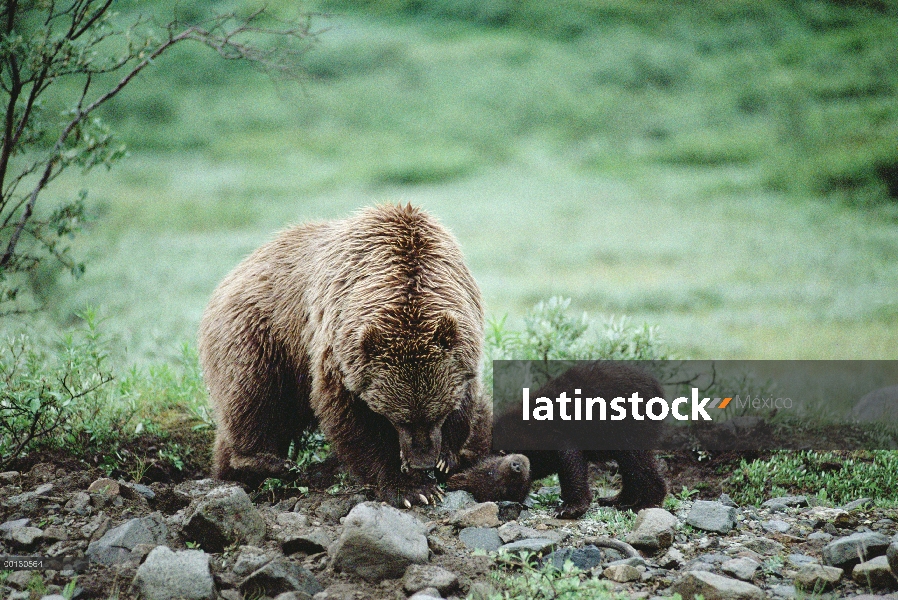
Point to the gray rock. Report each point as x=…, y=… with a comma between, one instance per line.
x=457, y=500
x=787, y=501
x=379, y=542
x=426, y=594
x=222, y=517
x=334, y=509
x=798, y=560
x=138, y=489
x=892, y=556
x=54, y=597
x=309, y=542
x=421, y=577
x=763, y=545
x=289, y=596
x=875, y=573
x=653, y=529
x=279, y=576
x=482, y=514
x=167, y=575
x=24, y=595
x=116, y=544
x=672, y=559
x=711, y=516
x=633, y=561
x=740, y=568
x=850, y=550
x=79, y=504
x=24, y=538
x=538, y=546
x=783, y=591
x=715, y=587
x=775, y=526
x=509, y=511
x=820, y=536
x=7, y=527
x=878, y=405
x=727, y=501
x=9, y=476
x=584, y=558
x=515, y=531
x=622, y=573
x=816, y=578
x=480, y=538
x=859, y=503
x=250, y=559
x=19, y=580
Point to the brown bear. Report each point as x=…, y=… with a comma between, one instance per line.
x=369, y=327
x=642, y=484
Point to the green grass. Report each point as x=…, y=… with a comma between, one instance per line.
x=718, y=170
x=834, y=478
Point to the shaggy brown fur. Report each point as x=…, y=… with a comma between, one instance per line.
x=495, y=478
x=369, y=327
x=642, y=484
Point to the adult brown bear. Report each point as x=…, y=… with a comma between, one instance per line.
x=369, y=327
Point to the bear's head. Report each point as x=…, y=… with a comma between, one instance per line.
x=415, y=376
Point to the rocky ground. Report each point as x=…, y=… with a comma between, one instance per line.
x=202, y=539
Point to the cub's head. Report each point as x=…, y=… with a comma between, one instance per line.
x=415, y=377
x=494, y=478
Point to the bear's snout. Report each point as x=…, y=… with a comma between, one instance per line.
x=419, y=447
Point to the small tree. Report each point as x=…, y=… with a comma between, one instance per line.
x=48, y=47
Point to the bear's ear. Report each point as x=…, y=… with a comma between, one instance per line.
x=371, y=342
x=446, y=333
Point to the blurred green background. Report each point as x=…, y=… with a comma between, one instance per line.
x=726, y=170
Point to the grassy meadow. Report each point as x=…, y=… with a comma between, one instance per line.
x=721, y=170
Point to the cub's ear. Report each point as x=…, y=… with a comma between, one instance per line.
x=372, y=339
x=445, y=335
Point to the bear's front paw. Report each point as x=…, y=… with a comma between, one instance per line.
x=406, y=496
x=448, y=462
x=571, y=511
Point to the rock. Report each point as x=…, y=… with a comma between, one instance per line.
x=457, y=500
x=279, y=576
x=715, y=587
x=633, y=561
x=653, y=529
x=9, y=476
x=775, y=526
x=740, y=568
x=672, y=559
x=763, y=545
x=859, y=503
x=133, y=491
x=482, y=514
x=291, y=596
x=292, y=522
x=711, y=516
x=116, y=544
x=79, y=504
x=310, y=542
x=727, y=501
x=875, y=573
x=878, y=405
x=538, y=546
x=816, y=578
x=224, y=516
x=515, y=531
x=55, y=534
x=420, y=577
x=14, y=524
x=480, y=538
x=341, y=591
x=783, y=591
x=379, y=542
x=799, y=560
x=820, y=536
x=787, y=501
x=250, y=559
x=54, y=597
x=426, y=594
x=167, y=575
x=584, y=558
x=481, y=590
x=19, y=580
x=24, y=538
x=334, y=509
x=850, y=550
x=892, y=557
x=509, y=511
x=104, y=485
x=622, y=573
